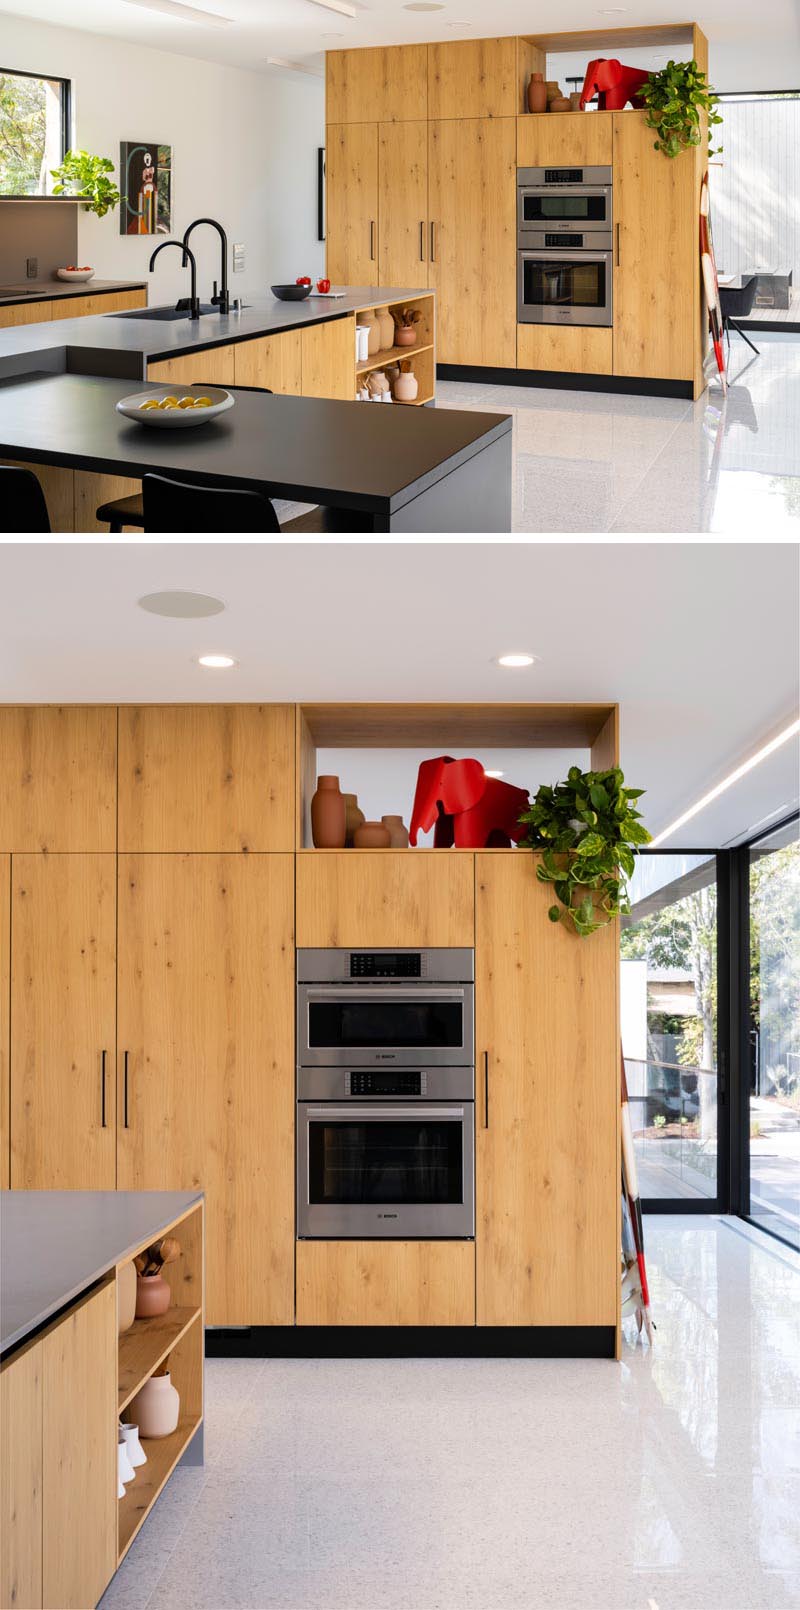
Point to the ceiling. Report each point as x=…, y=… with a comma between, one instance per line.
x=301, y=30
x=697, y=641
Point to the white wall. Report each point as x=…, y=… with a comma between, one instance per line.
x=755, y=194
x=244, y=148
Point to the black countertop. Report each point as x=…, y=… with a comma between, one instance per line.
x=345, y=455
x=48, y=290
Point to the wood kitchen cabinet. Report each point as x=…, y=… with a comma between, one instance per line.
x=273, y=361
x=329, y=359
x=547, y=1166
x=63, y=1022
x=5, y=1022
x=384, y=897
x=21, y=1480
x=82, y=307
x=385, y=1283
x=571, y=139
x=403, y=224
x=58, y=777
x=206, y=1061
x=472, y=78
x=206, y=777
x=472, y=203
x=656, y=277
x=387, y=84
x=351, y=169
x=213, y=367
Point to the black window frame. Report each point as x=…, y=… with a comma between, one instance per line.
x=66, y=123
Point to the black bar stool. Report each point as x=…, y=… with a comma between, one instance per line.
x=24, y=506
x=736, y=302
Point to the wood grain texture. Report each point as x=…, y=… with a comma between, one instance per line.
x=403, y=233
x=58, y=487
x=530, y=59
x=21, y=1480
x=415, y=726
x=81, y=307
x=378, y=85
x=206, y=777
x=547, y=1173
x=58, y=777
x=472, y=200
x=214, y=367
x=385, y=1283
x=273, y=361
x=305, y=778
x=384, y=897
x=655, y=306
x=145, y=1345
x=63, y=1017
x=5, y=1020
x=329, y=359
x=605, y=749
x=351, y=218
x=79, y=1489
x=472, y=78
x=163, y=1455
x=91, y=490
x=16, y=313
x=206, y=1015
x=609, y=41
x=571, y=348
x=545, y=138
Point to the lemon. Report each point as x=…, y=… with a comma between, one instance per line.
x=170, y=402
x=186, y=402
x=203, y=402
x=152, y=402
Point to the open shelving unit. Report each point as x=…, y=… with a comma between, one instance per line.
x=422, y=354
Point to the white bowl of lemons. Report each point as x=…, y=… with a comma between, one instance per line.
x=176, y=407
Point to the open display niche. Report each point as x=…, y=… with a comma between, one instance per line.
x=422, y=354
x=564, y=56
x=177, y=1335
x=583, y=734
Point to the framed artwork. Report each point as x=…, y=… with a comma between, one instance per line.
x=145, y=170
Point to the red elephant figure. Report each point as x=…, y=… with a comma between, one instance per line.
x=614, y=84
x=470, y=810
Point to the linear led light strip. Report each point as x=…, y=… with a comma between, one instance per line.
x=727, y=782
x=173, y=8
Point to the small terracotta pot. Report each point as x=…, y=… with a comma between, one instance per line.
x=559, y=104
x=552, y=90
x=156, y=1408
x=386, y=327
x=575, y=101
x=405, y=335
x=126, y=1297
x=398, y=832
x=372, y=836
x=406, y=388
x=328, y=815
x=153, y=1296
x=537, y=93
x=353, y=817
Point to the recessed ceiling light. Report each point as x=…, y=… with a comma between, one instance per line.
x=173, y=8
x=494, y=773
x=514, y=661
x=732, y=777
x=612, y=11
x=422, y=5
x=216, y=662
x=181, y=606
x=459, y=24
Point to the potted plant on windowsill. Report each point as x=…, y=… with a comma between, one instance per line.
x=588, y=830
x=84, y=177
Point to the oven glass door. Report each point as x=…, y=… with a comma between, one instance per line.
x=590, y=207
x=387, y=1169
x=561, y=287
x=363, y=1026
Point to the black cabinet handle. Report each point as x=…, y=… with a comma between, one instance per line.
x=486, y=1090
x=103, y=1123
x=422, y=240
x=372, y=240
x=125, y=1090
x=617, y=244
x=433, y=243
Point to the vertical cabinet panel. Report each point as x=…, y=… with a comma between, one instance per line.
x=384, y=898
x=206, y=1066
x=351, y=167
x=58, y=774
x=21, y=1480
x=472, y=78
x=329, y=359
x=273, y=361
x=388, y=84
x=403, y=232
x=79, y=1487
x=206, y=777
x=5, y=1021
x=547, y=1169
x=63, y=1022
x=655, y=208
x=472, y=203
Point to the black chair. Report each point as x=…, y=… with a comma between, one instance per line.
x=736, y=302
x=24, y=507
x=177, y=507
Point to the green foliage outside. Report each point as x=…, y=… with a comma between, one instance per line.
x=23, y=129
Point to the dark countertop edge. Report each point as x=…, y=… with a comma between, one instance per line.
x=188, y=1199
x=67, y=288
x=231, y=340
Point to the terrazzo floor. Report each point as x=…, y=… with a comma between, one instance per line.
x=670, y=1481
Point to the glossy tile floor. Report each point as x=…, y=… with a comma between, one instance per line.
x=668, y=1482
x=589, y=461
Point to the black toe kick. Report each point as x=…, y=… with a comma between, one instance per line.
x=565, y=380
x=412, y=1341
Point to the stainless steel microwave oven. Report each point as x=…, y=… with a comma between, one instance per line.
x=373, y=1008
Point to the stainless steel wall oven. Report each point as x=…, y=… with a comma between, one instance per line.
x=565, y=246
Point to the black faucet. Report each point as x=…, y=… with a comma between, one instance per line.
x=194, y=305
x=220, y=298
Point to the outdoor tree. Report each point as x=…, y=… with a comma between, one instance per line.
x=23, y=129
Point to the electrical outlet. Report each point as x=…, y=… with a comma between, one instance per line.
x=32, y=267
x=238, y=257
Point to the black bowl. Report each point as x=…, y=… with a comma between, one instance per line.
x=291, y=293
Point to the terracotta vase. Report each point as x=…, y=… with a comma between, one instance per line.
x=372, y=836
x=153, y=1296
x=552, y=91
x=398, y=832
x=374, y=337
x=575, y=101
x=353, y=818
x=386, y=327
x=328, y=815
x=156, y=1408
x=537, y=93
x=406, y=335
x=559, y=104
x=406, y=388
x=126, y=1297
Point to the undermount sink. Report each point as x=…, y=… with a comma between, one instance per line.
x=162, y=313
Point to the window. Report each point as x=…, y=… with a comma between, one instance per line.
x=34, y=132
x=774, y=1010
x=755, y=201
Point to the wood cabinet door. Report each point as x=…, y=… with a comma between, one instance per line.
x=21, y=1480
x=26, y=312
x=58, y=777
x=329, y=359
x=206, y=777
x=63, y=1022
x=213, y=367
x=473, y=267
x=470, y=78
x=79, y=1474
x=385, y=1283
x=385, y=83
x=569, y=139
x=81, y=307
x=655, y=209
x=385, y=897
x=351, y=168
x=206, y=1064
x=5, y=1021
x=273, y=361
x=403, y=233
x=547, y=1051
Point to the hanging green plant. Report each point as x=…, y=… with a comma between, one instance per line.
x=84, y=177
x=588, y=830
x=675, y=99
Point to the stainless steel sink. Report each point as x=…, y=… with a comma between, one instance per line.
x=161, y=313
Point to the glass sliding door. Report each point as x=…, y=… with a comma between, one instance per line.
x=669, y=1027
x=774, y=1033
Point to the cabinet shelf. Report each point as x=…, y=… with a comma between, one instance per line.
x=392, y=355
x=145, y=1345
x=140, y=1495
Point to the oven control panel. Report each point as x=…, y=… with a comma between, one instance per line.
x=385, y=964
x=386, y=1082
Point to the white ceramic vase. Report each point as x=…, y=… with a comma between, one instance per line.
x=135, y=1451
x=125, y=1469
